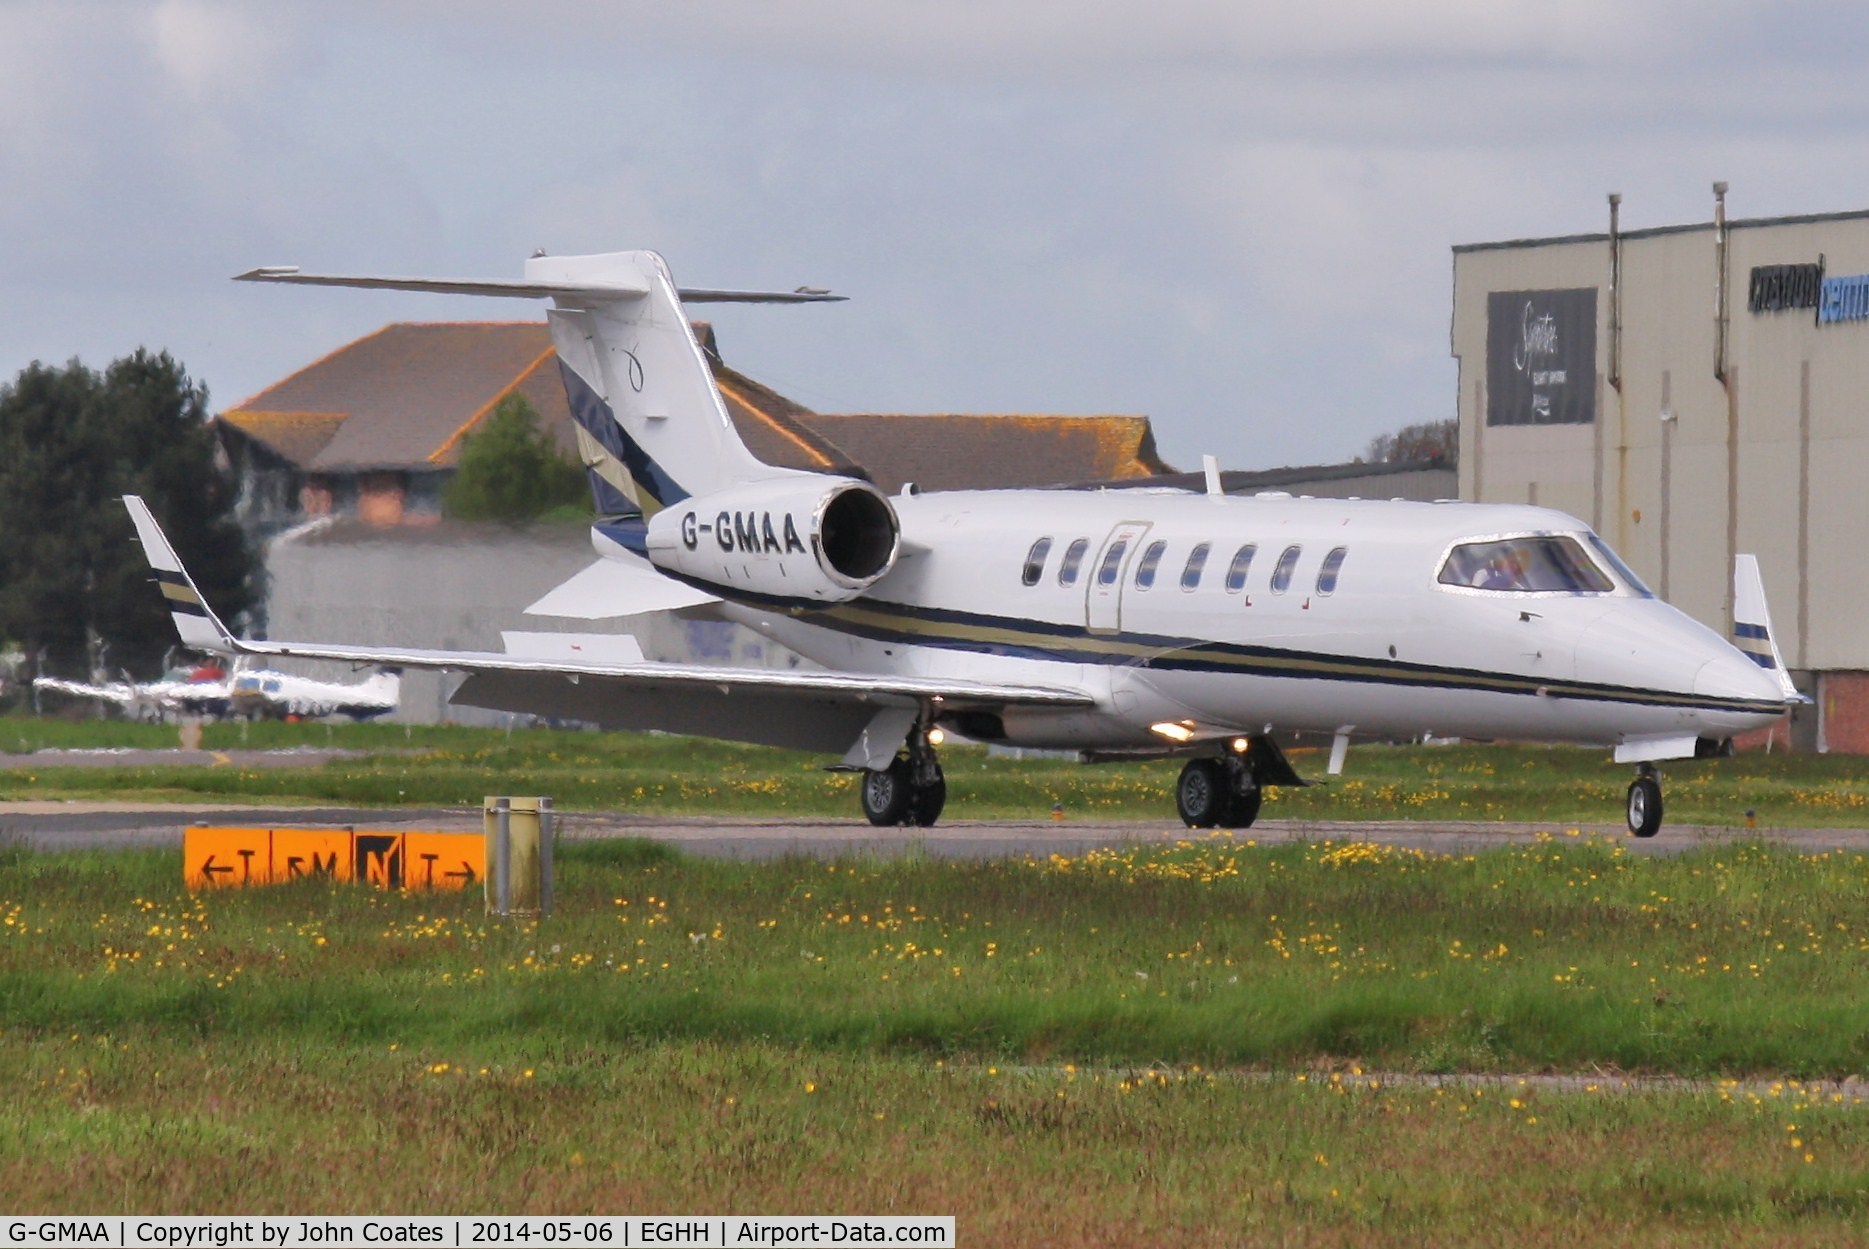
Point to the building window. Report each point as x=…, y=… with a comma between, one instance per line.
x=1327, y=575
x=1072, y=561
x=1151, y=560
x=1197, y=560
x=1241, y=565
x=1035, y=561
x=1281, y=572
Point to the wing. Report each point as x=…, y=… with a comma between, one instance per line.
x=806, y=710
x=122, y=695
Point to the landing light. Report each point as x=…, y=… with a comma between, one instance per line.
x=1174, y=731
x=1241, y=745
x=936, y=737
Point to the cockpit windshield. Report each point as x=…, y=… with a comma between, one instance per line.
x=1547, y=563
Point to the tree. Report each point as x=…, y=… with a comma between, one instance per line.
x=72, y=442
x=1429, y=440
x=510, y=471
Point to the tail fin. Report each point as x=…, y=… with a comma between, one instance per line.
x=1752, y=625
x=652, y=429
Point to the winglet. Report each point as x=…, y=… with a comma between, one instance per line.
x=194, y=620
x=1752, y=625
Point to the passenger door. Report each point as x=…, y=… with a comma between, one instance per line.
x=1109, y=573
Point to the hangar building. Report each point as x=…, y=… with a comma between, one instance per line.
x=1693, y=392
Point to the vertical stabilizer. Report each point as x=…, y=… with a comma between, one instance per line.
x=1752, y=624
x=652, y=428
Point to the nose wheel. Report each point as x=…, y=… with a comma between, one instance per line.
x=1645, y=803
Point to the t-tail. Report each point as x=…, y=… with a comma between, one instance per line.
x=652, y=429
x=656, y=439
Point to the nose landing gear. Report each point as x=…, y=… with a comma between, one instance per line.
x=1644, y=808
x=911, y=790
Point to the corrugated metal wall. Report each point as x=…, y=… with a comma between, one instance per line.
x=456, y=588
x=1765, y=461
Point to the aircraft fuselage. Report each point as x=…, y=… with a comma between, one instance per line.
x=1120, y=602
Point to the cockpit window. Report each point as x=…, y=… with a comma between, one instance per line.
x=1073, y=559
x=1539, y=564
x=1609, y=556
x=1035, y=560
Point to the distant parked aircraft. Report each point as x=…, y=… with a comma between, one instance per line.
x=208, y=690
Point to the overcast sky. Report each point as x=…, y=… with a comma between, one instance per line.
x=1234, y=217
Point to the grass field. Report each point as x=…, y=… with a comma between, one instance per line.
x=1126, y=1048
x=438, y=765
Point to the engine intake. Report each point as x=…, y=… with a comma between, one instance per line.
x=796, y=538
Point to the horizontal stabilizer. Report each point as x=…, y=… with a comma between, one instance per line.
x=567, y=289
x=613, y=588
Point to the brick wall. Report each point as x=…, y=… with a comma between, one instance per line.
x=1845, y=697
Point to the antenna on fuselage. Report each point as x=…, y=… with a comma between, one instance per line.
x=1210, y=465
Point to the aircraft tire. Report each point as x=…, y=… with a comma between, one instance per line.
x=926, y=802
x=1644, y=806
x=1201, y=793
x=886, y=794
x=1244, y=809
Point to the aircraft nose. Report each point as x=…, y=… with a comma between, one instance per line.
x=1733, y=675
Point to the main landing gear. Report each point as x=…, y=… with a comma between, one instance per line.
x=911, y=790
x=1218, y=793
x=1645, y=802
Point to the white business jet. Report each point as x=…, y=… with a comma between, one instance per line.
x=1118, y=623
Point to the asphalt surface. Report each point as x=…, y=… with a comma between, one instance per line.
x=82, y=825
x=56, y=825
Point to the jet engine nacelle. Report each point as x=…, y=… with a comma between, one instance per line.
x=818, y=539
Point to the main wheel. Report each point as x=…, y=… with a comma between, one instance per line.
x=885, y=793
x=926, y=801
x=1644, y=806
x=1201, y=795
x=1244, y=808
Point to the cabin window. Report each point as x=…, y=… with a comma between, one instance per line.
x=1112, y=562
x=1327, y=575
x=1146, y=566
x=1241, y=565
x=1035, y=560
x=1072, y=561
x=1197, y=560
x=1552, y=564
x=1281, y=572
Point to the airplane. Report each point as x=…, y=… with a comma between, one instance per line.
x=208, y=690
x=1115, y=623
x=198, y=689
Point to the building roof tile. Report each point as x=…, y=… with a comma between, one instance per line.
x=407, y=396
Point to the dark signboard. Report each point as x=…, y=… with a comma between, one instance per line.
x=1541, y=357
x=1775, y=288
